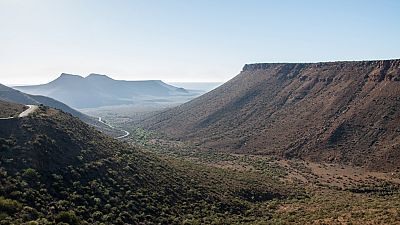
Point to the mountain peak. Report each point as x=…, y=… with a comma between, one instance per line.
x=98, y=76
x=65, y=78
x=68, y=76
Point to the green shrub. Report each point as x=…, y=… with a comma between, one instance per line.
x=30, y=173
x=68, y=217
x=9, y=205
x=3, y=216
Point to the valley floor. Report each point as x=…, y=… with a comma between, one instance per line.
x=336, y=194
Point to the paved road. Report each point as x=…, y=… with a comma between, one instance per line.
x=122, y=136
x=6, y=118
x=31, y=109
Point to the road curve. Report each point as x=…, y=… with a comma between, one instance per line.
x=29, y=110
x=122, y=136
x=125, y=135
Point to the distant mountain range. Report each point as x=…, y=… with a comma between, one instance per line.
x=11, y=95
x=346, y=112
x=100, y=90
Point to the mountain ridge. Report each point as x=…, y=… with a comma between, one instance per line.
x=15, y=96
x=312, y=111
x=97, y=90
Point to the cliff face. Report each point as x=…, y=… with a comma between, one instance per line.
x=345, y=112
x=382, y=69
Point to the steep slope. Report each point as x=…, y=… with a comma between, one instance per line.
x=12, y=95
x=99, y=90
x=54, y=168
x=344, y=112
x=8, y=109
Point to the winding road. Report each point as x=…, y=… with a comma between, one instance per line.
x=29, y=110
x=122, y=136
x=33, y=108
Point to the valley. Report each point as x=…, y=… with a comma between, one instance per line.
x=156, y=171
x=199, y=112
x=126, y=133
x=74, y=174
x=335, y=193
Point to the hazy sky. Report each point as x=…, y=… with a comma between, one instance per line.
x=186, y=40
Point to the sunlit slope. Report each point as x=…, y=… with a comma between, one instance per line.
x=335, y=112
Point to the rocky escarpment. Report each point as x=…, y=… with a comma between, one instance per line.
x=346, y=112
x=382, y=69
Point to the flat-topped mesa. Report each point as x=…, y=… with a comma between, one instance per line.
x=260, y=66
x=379, y=70
x=345, y=112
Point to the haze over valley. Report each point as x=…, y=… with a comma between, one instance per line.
x=97, y=90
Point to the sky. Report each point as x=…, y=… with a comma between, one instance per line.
x=186, y=40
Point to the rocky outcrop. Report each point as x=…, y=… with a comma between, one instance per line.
x=382, y=69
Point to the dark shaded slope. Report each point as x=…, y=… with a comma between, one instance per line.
x=12, y=95
x=53, y=167
x=336, y=112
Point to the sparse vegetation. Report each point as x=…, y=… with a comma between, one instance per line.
x=330, y=199
x=89, y=178
x=63, y=171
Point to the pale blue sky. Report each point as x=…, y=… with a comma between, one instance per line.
x=186, y=40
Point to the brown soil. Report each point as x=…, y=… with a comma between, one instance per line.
x=334, y=175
